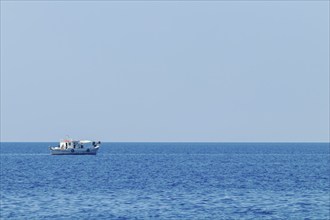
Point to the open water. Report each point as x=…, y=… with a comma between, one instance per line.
x=167, y=181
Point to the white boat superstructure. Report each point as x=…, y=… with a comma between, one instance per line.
x=73, y=147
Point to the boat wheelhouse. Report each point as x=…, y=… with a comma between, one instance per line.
x=73, y=147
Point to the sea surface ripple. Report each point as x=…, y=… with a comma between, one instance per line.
x=167, y=181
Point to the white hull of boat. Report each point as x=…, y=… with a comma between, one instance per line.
x=76, y=151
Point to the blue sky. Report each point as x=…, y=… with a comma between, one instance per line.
x=165, y=70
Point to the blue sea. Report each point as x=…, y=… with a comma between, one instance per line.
x=167, y=181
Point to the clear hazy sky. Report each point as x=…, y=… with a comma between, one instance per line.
x=165, y=70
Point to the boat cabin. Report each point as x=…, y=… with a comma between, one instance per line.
x=65, y=144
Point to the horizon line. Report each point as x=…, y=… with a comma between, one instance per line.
x=328, y=142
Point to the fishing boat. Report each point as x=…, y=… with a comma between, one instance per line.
x=73, y=147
